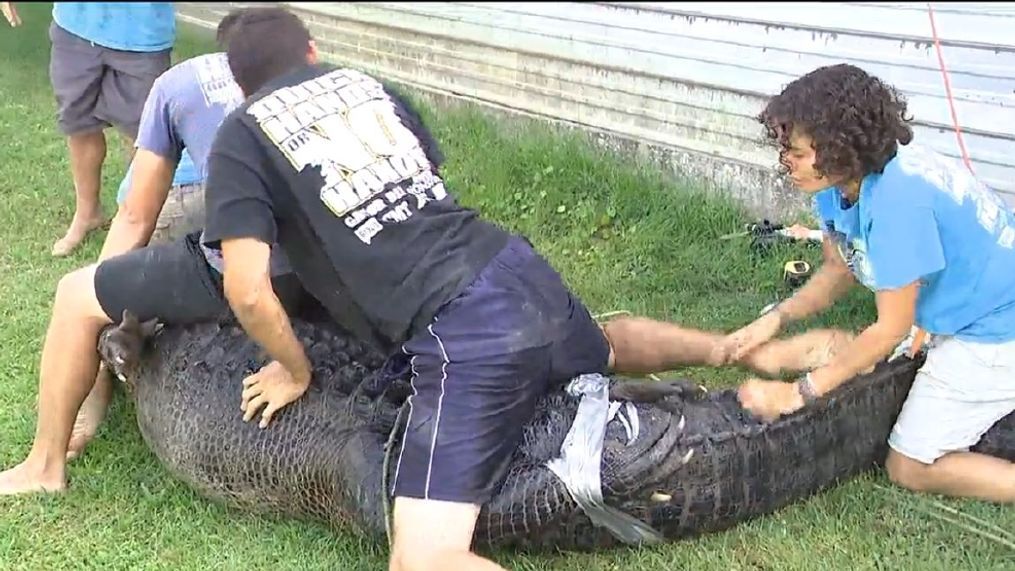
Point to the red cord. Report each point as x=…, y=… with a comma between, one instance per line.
x=948, y=89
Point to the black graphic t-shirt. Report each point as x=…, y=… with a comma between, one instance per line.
x=343, y=175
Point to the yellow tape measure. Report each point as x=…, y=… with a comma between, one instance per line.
x=795, y=272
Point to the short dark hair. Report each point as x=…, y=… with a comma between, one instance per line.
x=855, y=120
x=265, y=43
x=225, y=28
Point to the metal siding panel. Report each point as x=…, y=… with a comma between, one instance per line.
x=691, y=75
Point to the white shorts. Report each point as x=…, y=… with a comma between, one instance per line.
x=962, y=390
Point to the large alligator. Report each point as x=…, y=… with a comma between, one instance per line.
x=682, y=466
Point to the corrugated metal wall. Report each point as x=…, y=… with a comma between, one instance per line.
x=687, y=77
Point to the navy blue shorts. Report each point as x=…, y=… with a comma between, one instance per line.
x=479, y=368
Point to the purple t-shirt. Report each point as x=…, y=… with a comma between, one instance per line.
x=184, y=109
x=186, y=105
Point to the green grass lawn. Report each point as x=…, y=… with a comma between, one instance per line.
x=622, y=236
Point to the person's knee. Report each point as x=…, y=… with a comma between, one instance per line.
x=428, y=533
x=907, y=472
x=419, y=559
x=623, y=334
x=71, y=286
x=75, y=296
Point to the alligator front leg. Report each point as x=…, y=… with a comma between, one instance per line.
x=656, y=392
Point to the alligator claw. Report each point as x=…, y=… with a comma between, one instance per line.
x=687, y=457
x=657, y=393
x=661, y=497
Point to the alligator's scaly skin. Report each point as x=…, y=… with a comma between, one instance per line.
x=322, y=456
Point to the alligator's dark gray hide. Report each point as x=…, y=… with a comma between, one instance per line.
x=322, y=456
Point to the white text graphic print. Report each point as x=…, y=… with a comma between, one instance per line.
x=374, y=169
x=957, y=182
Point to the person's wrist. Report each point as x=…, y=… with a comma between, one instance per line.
x=303, y=374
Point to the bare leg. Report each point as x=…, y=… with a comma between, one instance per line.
x=67, y=373
x=641, y=345
x=959, y=474
x=432, y=535
x=87, y=152
x=93, y=410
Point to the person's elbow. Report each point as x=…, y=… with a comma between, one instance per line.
x=894, y=331
x=136, y=220
x=893, y=328
x=244, y=291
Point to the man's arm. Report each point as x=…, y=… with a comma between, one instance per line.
x=896, y=314
x=240, y=220
x=150, y=180
x=247, y=284
x=157, y=155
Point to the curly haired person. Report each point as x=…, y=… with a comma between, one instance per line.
x=937, y=248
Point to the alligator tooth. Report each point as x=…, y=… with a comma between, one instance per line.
x=121, y=377
x=687, y=457
x=661, y=497
x=680, y=425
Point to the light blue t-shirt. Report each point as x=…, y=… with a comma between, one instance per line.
x=927, y=218
x=128, y=26
x=186, y=173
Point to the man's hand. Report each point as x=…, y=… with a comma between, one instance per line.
x=11, y=13
x=272, y=387
x=741, y=342
x=248, y=289
x=768, y=400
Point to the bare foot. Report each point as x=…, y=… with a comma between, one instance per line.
x=91, y=413
x=76, y=234
x=25, y=479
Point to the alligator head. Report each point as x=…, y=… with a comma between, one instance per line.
x=120, y=345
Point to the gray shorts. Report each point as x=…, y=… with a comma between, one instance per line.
x=97, y=87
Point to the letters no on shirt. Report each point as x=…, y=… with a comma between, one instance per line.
x=345, y=124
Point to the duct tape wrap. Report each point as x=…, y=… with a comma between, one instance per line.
x=578, y=466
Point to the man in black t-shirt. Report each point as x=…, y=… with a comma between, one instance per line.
x=344, y=176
